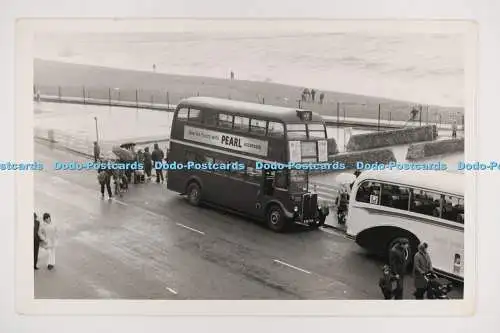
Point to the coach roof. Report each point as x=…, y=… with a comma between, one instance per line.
x=441, y=181
x=288, y=115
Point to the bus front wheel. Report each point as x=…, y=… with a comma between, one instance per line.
x=194, y=194
x=276, y=219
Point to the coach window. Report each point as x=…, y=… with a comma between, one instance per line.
x=194, y=115
x=453, y=209
x=258, y=126
x=425, y=202
x=275, y=129
x=369, y=192
x=395, y=196
x=182, y=114
x=241, y=123
x=210, y=118
x=225, y=120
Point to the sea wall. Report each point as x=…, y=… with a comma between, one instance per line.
x=433, y=148
x=391, y=138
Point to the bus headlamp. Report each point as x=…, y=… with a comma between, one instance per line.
x=295, y=209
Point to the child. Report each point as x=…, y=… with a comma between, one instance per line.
x=386, y=282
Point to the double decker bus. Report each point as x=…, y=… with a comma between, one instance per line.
x=418, y=206
x=218, y=131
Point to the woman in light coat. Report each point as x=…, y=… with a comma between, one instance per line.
x=422, y=265
x=48, y=237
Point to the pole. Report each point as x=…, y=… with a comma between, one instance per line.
x=59, y=92
x=84, y=93
x=427, y=114
x=420, y=115
x=390, y=116
x=96, y=130
x=137, y=98
x=168, y=101
x=109, y=96
x=338, y=114
x=378, y=124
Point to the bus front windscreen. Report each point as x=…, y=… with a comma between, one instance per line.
x=298, y=181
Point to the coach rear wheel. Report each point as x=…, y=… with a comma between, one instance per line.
x=194, y=194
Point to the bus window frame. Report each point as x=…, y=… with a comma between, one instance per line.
x=179, y=112
x=251, y=128
x=219, y=121
x=198, y=120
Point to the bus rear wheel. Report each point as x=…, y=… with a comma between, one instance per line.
x=194, y=194
x=276, y=220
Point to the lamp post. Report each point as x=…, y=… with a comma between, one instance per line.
x=96, y=130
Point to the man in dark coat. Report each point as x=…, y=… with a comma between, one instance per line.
x=158, y=156
x=97, y=152
x=36, y=238
x=398, y=262
x=422, y=265
x=148, y=162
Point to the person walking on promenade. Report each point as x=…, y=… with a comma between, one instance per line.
x=386, y=282
x=148, y=163
x=422, y=265
x=232, y=75
x=48, y=237
x=398, y=262
x=321, y=98
x=36, y=239
x=97, y=152
x=158, y=156
x=454, y=129
x=313, y=94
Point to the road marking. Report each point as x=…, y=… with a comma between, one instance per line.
x=121, y=202
x=171, y=290
x=292, y=266
x=189, y=228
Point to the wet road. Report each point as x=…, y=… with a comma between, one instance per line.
x=151, y=244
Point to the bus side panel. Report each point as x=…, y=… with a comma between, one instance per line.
x=446, y=244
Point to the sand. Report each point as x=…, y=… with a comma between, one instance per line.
x=73, y=80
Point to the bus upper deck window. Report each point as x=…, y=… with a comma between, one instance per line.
x=182, y=114
x=275, y=129
x=194, y=115
x=368, y=192
x=242, y=123
x=225, y=120
x=258, y=126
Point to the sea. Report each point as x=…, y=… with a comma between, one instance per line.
x=420, y=68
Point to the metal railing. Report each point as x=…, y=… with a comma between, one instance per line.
x=385, y=113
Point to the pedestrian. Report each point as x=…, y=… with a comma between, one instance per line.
x=321, y=98
x=36, y=239
x=48, y=237
x=454, y=129
x=157, y=156
x=313, y=94
x=148, y=162
x=154, y=67
x=422, y=265
x=140, y=171
x=306, y=94
x=386, y=282
x=398, y=262
x=97, y=152
x=104, y=178
x=232, y=75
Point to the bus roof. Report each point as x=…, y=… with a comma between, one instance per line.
x=442, y=181
x=287, y=115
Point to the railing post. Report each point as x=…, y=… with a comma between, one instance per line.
x=338, y=114
x=137, y=98
x=378, y=123
x=84, y=93
x=390, y=117
x=168, y=101
x=109, y=96
x=152, y=100
x=420, y=115
x=59, y=92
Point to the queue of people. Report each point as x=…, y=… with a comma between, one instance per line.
x=309, y=95
x=393, y=274
x=122, y=178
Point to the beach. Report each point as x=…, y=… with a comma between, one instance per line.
x=74, y=80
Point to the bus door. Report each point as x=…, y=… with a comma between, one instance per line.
x=275, y=186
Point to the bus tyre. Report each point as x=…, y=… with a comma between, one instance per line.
x=276, y=219
x=194, y=194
